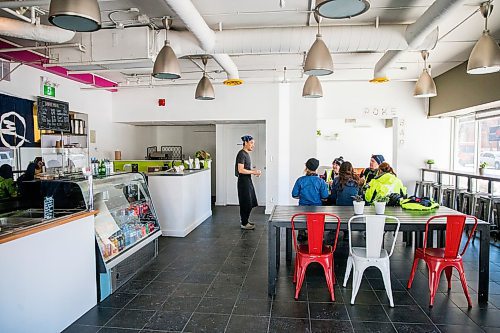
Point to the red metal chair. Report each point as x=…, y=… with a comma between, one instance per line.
x=447, y=258
x=314, y=250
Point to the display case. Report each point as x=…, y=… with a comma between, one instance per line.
x=126, y=226
x=126, y=216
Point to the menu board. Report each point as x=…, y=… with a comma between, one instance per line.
x=53, y=115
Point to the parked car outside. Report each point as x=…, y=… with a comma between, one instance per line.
x=492, y=159
x=6, y=158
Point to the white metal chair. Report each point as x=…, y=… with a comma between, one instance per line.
x=360, y=258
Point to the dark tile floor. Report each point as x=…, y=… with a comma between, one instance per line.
x=215, y=280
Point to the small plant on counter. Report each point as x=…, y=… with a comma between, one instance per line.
x=382, y=199
x=202, y=155
x=429, y=163
x=357, y=198
x=483, y=165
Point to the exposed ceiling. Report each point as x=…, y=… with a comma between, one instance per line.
x=458, y=33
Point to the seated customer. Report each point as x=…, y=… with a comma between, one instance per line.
x=330, y=174
x=345, y=186
x=310, y=190
x=370, y=173
x=7, y=186
x=384, y=184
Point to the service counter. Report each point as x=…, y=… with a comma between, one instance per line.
x=48, y=271
x=182, y=200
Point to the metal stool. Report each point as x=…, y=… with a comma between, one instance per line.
x=467, y=202
x=438, y=194
x=423, y=188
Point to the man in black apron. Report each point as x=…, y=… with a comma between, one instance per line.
x=246, y=192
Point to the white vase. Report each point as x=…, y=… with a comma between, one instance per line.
x=481, y=171
x=379, y=208
x=359, y=207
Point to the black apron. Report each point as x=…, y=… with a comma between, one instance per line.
x=246, y=192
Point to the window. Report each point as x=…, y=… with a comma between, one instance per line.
x=465, y=148
x=478, y=141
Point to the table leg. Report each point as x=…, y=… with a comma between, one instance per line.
x=288, y=234
x=271, y=257
x=278, y=247
x=484, y=263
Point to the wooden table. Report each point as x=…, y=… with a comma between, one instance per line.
x=410, y=221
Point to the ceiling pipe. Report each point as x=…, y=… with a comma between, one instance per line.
x=16, y=14
x=417, y=33
x=190, y=16
x=42, y=33
x=338, y=39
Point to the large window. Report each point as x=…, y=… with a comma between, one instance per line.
x=465, y=146
x=476, y=142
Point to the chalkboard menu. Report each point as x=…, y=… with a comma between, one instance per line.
x=53, y=115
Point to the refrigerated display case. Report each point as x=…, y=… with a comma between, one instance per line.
x=126, y=228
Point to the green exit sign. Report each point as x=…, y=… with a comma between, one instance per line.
x=49, y=91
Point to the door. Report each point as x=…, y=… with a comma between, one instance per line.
x=258, y=155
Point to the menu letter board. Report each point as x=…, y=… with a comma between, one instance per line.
x=53, y=115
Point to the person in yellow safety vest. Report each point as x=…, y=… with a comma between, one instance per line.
x=330, y=174
x=384, y=184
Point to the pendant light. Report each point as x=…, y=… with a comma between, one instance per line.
x=425, y=86
x=341, y=9
x=75, y=15
x=204, y=89
x=319, y=60
x=166, y=65
x=485, y=56
x=312, y=88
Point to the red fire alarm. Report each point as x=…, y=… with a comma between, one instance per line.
x=161, y=102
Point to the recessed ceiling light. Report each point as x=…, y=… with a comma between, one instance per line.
x=341, y=9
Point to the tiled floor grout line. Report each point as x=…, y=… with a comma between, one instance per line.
x=244, y=279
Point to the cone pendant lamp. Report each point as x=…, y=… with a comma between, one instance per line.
x=204, y=89
x=318, y=60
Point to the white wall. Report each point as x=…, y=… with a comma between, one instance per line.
x=355, y=142
x=292, y=121
x=191, y=138
x=131, y=140
x=249, y=102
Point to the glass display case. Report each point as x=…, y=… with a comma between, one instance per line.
x=126, y=226
x=126, y=215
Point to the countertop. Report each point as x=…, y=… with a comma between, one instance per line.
x=173, y=173
x=14, y=228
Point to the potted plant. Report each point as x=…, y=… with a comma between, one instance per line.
x=358, y=204
x=429, y=163
x=482, y=166
x=380, y=203
x=205, y=159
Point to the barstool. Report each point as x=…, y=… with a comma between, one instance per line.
x=467, y=202
x=423, y=188
x=438, y=194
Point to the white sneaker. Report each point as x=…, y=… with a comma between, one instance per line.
x=251, y=223
x=247, y=226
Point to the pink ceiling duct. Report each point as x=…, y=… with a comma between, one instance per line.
x=37, y=60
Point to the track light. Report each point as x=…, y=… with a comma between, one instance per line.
x=425, y=86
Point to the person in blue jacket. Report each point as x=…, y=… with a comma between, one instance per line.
x=310, y=189
x=345, y=186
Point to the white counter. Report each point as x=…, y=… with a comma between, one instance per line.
x=48, y=278
x=182, y=201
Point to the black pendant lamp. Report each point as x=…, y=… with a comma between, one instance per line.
x=75, y=15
